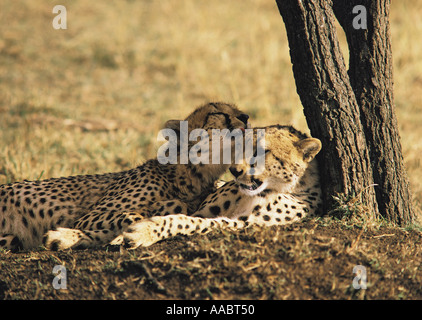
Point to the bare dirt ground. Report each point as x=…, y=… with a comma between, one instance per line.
x=314, y=259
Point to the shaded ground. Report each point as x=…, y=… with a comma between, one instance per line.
x=309, y=260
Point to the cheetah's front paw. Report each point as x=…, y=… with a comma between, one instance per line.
x=143, y=234
x=64, y=238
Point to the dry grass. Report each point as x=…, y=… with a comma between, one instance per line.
x=92, y=98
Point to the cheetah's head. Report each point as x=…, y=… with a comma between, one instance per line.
x=211, y=127
x=217, y=115
x=287, y=152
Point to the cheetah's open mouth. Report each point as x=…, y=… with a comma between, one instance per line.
x=251, y=187
x=256, y=186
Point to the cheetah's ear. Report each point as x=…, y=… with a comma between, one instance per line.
x=309, y=147
x=173, y=124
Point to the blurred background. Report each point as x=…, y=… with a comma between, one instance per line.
x=92, y=98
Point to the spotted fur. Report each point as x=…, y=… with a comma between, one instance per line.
x=91, y=210
x=286, y=191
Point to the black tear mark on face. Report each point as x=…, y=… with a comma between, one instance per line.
x=228, y=122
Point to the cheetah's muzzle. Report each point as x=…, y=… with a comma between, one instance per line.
x=253, y=186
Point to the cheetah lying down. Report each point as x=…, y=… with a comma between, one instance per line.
x=286, y=191
x=91, y=210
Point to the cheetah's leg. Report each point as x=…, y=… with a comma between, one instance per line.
x=96, y=228
x=91, y=230
x=160, y=208
x=223, y=202
x=64, y=238
x=150, y=231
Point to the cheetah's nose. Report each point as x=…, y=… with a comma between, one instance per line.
x=235, y=172
x=244, y=118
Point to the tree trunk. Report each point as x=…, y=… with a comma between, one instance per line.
x=351, y=113
x=371, y=76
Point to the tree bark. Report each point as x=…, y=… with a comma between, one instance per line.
x=361, y=146
x=371, y=76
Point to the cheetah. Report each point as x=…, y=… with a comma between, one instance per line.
x=287, y=190
x=91, y=210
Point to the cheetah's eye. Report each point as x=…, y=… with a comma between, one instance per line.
x=255, y=154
